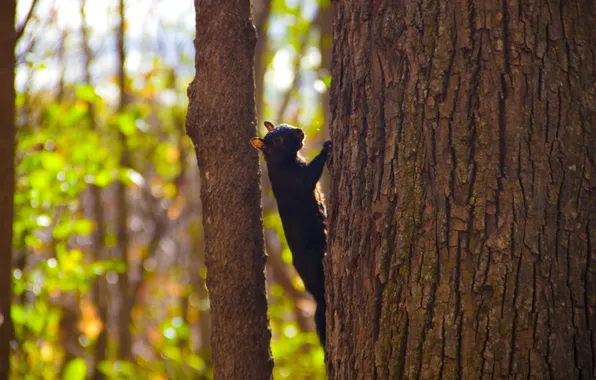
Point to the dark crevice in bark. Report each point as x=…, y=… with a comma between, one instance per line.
x=401, y=365
x=503, y=297
x=534, y=287
x=502, y=145
x=548, y=334
x=559, y=216
x=381, y=129
x=456, y=284
x=515, y=295
x=484, y=347
x=471, y=22
x=540, y=91
x=378, y=309
x=448, y=73
x=472, y=160
x=443, y=343
x=520, y=180
x=430, y=307
x=587, y=295
x=459, y=352
x=530, y=141
x=565, y=38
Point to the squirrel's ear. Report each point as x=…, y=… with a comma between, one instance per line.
x=259, y=144
x=269, y=125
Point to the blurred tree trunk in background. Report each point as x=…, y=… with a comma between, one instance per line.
x=7, y=150
x=324, y=21
x=220, y=122
x=463, y=208
x=100, y=286
x=124, y=316
x=262, y=10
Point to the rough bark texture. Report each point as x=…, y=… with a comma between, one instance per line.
x=220, y=122
x=463, y=207
x=7, y=150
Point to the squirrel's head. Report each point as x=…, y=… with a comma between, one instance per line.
x=281, y=142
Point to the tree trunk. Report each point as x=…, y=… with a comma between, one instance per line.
x=463, y=209
x=262, y=10
x=100, y=285
x=124, y=317
x=220, y=122
x=7, y=151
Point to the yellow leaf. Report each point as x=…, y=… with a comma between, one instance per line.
x=47, y=352
x=154, y=336
x=90, y=324
x=172, y=154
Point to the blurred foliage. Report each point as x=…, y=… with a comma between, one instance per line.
x=68, y=159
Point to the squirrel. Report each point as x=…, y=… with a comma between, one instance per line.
x=300, y=205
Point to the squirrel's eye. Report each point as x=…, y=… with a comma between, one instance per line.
x=278, y=140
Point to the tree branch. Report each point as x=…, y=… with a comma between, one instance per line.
x=296, y=80
x=283, y=276
x=21, y=29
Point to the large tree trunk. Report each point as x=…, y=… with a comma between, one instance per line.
x=220, y=122
x=463, y=207
x=7, y=150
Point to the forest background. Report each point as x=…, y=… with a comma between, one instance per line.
x=107, y=227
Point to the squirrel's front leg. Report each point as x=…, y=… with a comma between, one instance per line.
x=315, y=167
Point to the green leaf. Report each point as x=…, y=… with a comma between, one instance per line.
x=62, y=230
x=104, y=178
x=18, y=314
x=40, y=179
x=87, y=93
x=75, y=115
x=327, y=80
x=172, y=352
x=75, y=369
x=195, y=362
x=83, y=227
x=126, y=124
x=52, y=161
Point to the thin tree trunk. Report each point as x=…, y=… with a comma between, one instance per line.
x=262, y=11
x=61, y=52
x=463, y=216
x=124, y=317
x=282, y=275
x=199, y=286
x=99, y=289
x=69, y=300
x=220, y=122
x=324, y=21
x=7, y=154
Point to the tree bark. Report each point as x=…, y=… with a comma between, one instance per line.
x=7, y=152
x=220, y=122
x=462, y=207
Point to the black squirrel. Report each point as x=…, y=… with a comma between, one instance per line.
x=300, y=205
